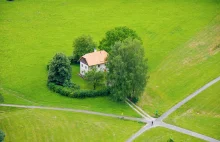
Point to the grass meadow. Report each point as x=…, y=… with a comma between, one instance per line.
x=160, y=134
x=181, y=40
x=24, y=125
x=31, y=37
x=201, y=114
x=184, y=70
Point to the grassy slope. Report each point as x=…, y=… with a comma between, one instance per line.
x=36, y=125
x=201, y=114
x=32, y=32
x=161, y=134
x=185, y=70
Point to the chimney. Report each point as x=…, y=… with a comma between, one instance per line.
x=94, y=49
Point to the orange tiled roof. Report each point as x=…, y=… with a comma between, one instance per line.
x=95, y=58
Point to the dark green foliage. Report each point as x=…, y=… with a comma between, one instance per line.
x=2, y=136
x=127, y=75
x=10, y=0
x=95, y=77
x=156, y=115
x=170, y=140
x=82, y=45
x=76, y=93
x=73, y=60
x=116, y=34
x=1, y=98
x=59, y=69
x=134, y=99
x=89, y=93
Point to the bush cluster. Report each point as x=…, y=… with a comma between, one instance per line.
x=89, y=93
x=2, y=136
x=76, y=93
x=73, y=60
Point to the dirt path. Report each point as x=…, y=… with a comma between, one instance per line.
x=174, y=108
x=159, y=121
x=78, y=111
x=146, y=118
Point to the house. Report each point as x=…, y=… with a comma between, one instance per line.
x=95, y=59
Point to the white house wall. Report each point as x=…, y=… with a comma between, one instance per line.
x=101, y=67
x=83, y=68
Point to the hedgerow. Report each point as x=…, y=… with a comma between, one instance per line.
x=76, y=92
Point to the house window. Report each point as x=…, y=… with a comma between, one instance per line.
x=82, y=65
x=98, y=66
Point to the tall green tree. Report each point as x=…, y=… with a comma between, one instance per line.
x=95, y=77
x=116, y=34
x=82, y=45
x=59, y=70
x=2, y=136
x=127, y=69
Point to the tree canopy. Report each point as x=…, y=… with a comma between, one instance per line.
x=2, y=136
x=116, y=34
x=82, y=45
x=127, y=69
x=59, y=70
x=95, y=77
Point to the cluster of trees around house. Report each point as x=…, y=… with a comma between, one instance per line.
x=126, y=63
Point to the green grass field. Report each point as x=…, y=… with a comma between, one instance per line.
x=36, y=125
x=181, y=39
x=160, y=134
x=31, y=37
x=201, y=114
x=186, y=69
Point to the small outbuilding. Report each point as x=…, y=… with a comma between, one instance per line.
x=95, y=59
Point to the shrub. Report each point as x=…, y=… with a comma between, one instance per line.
x=170, y=140
x=1, y=98
x=89, y=93
x=133, y=99
x=59, y=69
x=73, y=60
x=76, y=93
x=2, y=136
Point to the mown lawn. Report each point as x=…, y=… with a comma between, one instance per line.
x=32, y=32
x=201, y=114
x=160, y=134
x=186, y=69
x=24, y=125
